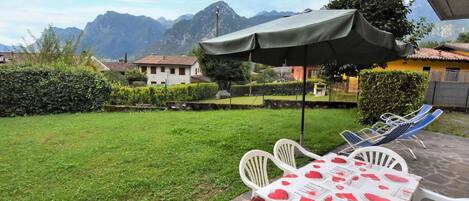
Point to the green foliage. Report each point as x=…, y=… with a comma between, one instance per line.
x=267, y=75
x=28, y=91
x=282, y=88
x=430, y=44
x=116, y=77
x=135, y=75
x=463, y=38
x=398, y=92
x=223, y=72
x=154, y=95
x=48, y=51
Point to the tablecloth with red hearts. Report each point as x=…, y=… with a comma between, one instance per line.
x=335, y=177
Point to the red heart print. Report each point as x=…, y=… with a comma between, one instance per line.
x=285, y=183
x=363, y=169
x=312, y=193
x=305, y=199
x=319, y=161
x=340, y=188
x=355, y=178
x=257, y=199
x=383, y=187
x=358, y=163
x=278, y=194
x=347, y=196
x=341, y=173
x=290, y=176
x=328, y=198
x=313, y=175
x=370, y=176
x=373, y=197
x=395, y=178
x=337, y=179
x=316, y=166
x=338, y=160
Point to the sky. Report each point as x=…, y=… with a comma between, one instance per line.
x=19, y=16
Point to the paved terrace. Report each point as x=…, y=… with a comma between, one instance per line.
x=444, y=165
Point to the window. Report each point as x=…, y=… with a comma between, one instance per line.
x=163, y=83
x=426, y=69
x=182, y=71
x=183, y=83
x=172, y=71
x=144, y=69
x=153, y=70
x=153, y=83
x=163, y=69
x=310, y=73
x=452, y=74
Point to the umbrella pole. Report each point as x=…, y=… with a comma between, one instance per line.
x=303, y=102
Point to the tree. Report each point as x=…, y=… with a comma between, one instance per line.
x=135, y=75
x=387, y=15
x=266, y=76
x=463, y=38
x=48, y=50
x=223, y=72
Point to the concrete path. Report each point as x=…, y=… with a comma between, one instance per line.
x=444, y=165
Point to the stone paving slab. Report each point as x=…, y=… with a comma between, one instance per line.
x=444, y=165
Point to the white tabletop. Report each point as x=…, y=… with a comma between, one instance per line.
x=351, y=180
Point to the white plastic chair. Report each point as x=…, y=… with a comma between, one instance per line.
x=284, y=150
x=253, y=169
x=422, y=194
x=380, y=156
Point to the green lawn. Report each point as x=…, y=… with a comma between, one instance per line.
x=453, y=123
x=257, y=100
x=148, y=156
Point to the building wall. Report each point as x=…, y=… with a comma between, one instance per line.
x=160, y=77
x=460, y=52
x=297, y=72
x=438, y=69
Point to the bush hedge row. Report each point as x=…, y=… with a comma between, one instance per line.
x=398, y=92
x=28, y=91
x=283, y=88
x=157, y=95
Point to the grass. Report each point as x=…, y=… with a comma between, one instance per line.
x=257, y=100
x=148, y=156
x=453, y=123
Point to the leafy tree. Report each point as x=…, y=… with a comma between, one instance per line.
x=135, y=75
x=430, y=44
x=463, y=38
x=48, y=50
x=387, y=15
x=266, y=76
x=116, y=77
x=223, y=72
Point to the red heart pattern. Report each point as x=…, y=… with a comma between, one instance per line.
x=278, y=194
x=312, y=193
x=347, y=196
x=358, y=163
x=383, y=187
x=355, y=178
x=363, y=169
x=316, y=166
x=328, y=198
x=395, y=178
x=340, y=188
x=337, y=179
x=319, y=161
x=370, y=176
x=313, y=175
x=373, y=197
x=290, y=176
x=338, y=160
x=305, y=199
x=285, y=183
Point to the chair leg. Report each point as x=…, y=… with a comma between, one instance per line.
x=409, y=149
x=420, y=141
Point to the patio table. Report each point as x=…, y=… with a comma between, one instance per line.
x=335, y=177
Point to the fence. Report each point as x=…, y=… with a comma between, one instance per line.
x=346, y=91
x=449, y=75
x=448, y=94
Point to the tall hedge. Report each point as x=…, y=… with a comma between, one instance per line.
x=283, y=88
x=398, y=92
x=157, y=95
x=28, y=91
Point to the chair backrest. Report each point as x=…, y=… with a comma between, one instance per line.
x=393, y=134
x=422, y=123
x=380, y=156
x=422, y=111
x=284, y=150
x=351, y=137
x=424, y=194
x=253, y=168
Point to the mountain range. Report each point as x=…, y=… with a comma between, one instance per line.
x=113, y=34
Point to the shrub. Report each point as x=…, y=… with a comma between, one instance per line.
x=135, y=75
x=116, y=77
x=27, y=91
x=283, y=88
x=397, y=92
x=158, y=95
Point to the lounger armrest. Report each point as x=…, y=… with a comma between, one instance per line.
x=386, y=116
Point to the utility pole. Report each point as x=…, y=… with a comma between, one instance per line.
x=217, y=14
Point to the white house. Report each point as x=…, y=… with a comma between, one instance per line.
x=169, y=70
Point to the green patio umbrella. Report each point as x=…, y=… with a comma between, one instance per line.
x=310, y=38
